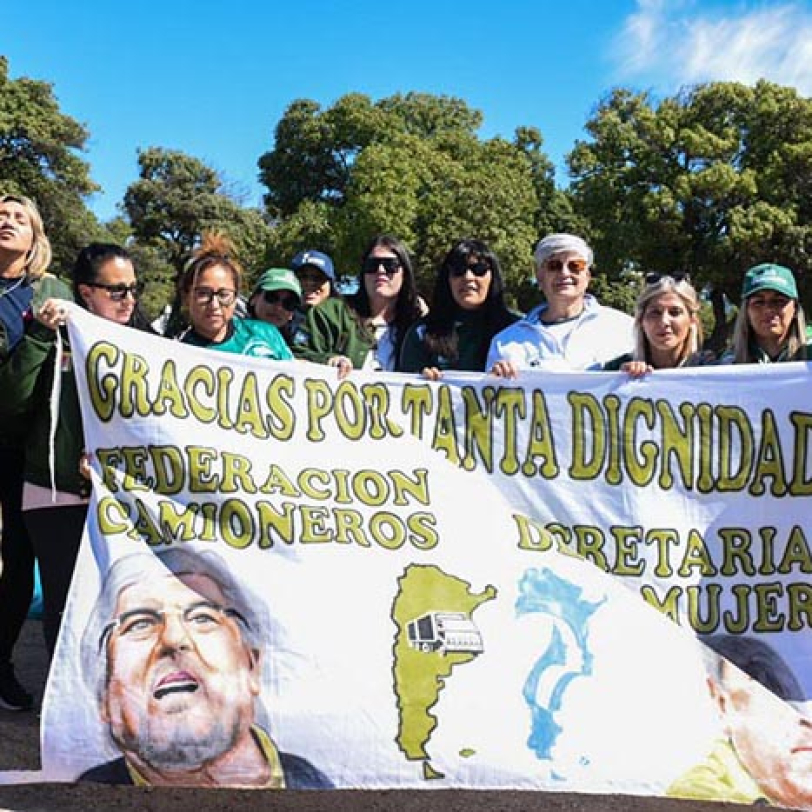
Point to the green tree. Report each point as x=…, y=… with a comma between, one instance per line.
x=40, y=157
x=711, y=180
x=413, y=165
x=175, y=199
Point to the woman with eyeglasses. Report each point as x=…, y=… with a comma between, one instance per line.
x=468, y=309
x=104, y=283
x=275, y=299
x=770, y=326
x=667, y=329
x=209, y=286
x=366, y=329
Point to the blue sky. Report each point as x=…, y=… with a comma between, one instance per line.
x=212, y=78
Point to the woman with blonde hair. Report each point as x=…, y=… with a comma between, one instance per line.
x=25, y=254
x=209, y=287
x=770, y=326
x=667, y=329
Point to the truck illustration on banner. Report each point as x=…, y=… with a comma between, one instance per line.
x=446, y=632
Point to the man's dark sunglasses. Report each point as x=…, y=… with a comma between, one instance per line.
x=290, y=303
x=390, y=264
x=476, y=268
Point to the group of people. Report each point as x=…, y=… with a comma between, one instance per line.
x=299, y=313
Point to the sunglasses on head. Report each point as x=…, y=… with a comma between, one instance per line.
x=288, y=302
x=476, y=268
x=677, y=276
x=390, y=264
x=118, y=292
x=572, y=265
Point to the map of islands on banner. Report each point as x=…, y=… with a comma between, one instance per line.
x=291, y=581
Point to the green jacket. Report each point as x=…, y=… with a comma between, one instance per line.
x=332, y=328
x=45, y=287
x=18, y=378
x=26, y=380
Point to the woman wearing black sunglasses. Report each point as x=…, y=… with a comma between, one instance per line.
x=275, y=299
x=366, y=329
x=104, y=282
x=468, y=309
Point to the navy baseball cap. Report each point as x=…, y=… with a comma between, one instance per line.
x=315, y=259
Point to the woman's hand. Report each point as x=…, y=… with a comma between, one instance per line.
x=505, y=369
x=84, y=465
x=636, y=369
x=432, y=373
x=53, y=313
x=343, y=364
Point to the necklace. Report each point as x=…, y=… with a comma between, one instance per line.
x=12, y=288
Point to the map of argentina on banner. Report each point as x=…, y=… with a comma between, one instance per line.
x=293, y=581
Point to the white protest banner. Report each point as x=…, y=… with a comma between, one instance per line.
x=293, y=581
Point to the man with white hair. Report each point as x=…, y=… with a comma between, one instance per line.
x=174, y=653
x=570, y=329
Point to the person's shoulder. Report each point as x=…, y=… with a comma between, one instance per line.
x=256, y=328
x=301, y=774
x=111, y=772
x=606, y=313
x=259, y=339
x=416, y=330
x=703, y=358
x=520, y=324
x=332, y=307
x=616, y=363
x=48, y=286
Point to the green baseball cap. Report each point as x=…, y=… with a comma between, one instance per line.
x=768, y=276
x=279, y=279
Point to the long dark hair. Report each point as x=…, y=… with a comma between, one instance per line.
x=407, y=306
x=441, y=336
x=85, y=271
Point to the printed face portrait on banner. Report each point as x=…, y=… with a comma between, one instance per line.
x=766, y=748
x=772, y=738
x=180, y=682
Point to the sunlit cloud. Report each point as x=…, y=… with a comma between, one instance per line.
x=670, y=44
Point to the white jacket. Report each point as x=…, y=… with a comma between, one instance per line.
x=599, y=335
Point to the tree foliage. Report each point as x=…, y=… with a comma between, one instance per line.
x=711, y=180
x=40, y=157
x=412, y=165
x=177, y=197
